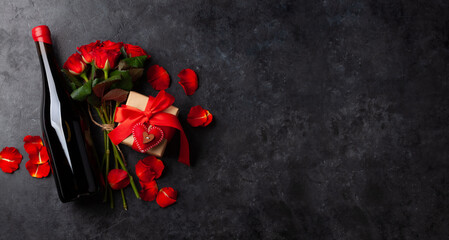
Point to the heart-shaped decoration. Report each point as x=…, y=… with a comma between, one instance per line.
x=146, y=138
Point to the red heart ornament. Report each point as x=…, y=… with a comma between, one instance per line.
x=145, y=137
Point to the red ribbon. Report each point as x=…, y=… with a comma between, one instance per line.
x=128, y=116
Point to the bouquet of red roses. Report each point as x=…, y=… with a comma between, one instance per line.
x=103, y=73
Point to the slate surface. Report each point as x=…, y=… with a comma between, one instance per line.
x=331, y=118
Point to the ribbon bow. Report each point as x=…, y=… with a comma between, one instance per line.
x=129, y=116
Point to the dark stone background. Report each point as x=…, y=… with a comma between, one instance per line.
x=331, y=118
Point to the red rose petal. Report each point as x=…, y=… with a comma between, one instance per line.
x=38, y=170
x=118, y=179
x=10, y=159
x=8, y=168
x=149, y=168
x=134, y=51
x=166, y=197
x=75, y=64
x=158, y=77
x=110, y=45
x=209, y=118
x=189, y=81
x=149, y=191
x=105, y=59
x=86, y=51
x=199, y=117
x=32, y=144
x=41, y=157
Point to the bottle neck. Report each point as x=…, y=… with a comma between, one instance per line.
x=52, y=76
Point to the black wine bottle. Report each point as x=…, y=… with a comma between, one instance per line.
x=65, y=129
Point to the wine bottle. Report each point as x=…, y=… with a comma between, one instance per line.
x=65, y=129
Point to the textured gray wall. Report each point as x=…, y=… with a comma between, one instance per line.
x=331, y=118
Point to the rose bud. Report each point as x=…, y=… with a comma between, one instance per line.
x=199, y=117
x=105, y=59
x=149, y=168
x=86, y=51
x=166, y=197
x=189, y=81
x=118, y=179
x=135, y=51
x=75, y=64
x=109, y=45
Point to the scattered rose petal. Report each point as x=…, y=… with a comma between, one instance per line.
x=39, y=158
x=189, y=81
x=10, y=159
x=33, y=144
x=149, y=191
x=199, y=117
x=38, y=170
x=135, y=51
x=158, y=77
x=149, y=168
x=118, y=179
x=166, y=197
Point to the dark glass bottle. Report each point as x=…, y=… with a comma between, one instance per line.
x=65, y=129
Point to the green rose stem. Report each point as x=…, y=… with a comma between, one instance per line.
x=131, y=180
x=125, y=206
x=105, y=156
x=121, y=190
x=92, y=71
x=105, y=74
x=106, y=118
x=83, y=75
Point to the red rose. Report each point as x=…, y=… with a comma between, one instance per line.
x=109, y=45
x=105, y=59
x=75, y=64
x=135, y=51
x=86, y=51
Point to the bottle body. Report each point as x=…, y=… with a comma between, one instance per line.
x=66, y=134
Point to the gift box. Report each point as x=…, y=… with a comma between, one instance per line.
x=148, y=123
x=140, y=101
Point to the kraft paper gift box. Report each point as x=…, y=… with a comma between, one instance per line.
x=140, y=101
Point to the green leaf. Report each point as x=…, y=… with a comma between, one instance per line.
x=126, y=82
x=81, y=93
x=136, y=73
x=100, y=85
x=72, y=78
x=93, y=100
x=117, y=94
x=136, y=62
x=92, y=70
x=124, y=54
x=96, y=81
